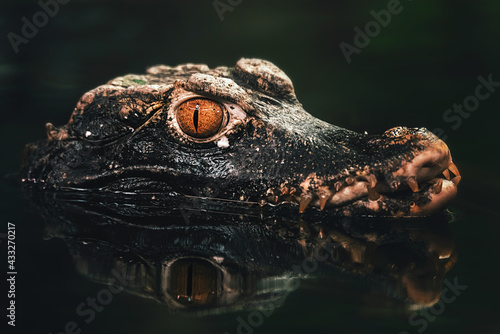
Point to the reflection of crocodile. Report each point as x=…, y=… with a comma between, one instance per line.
x=214, y=265
x=238, y=134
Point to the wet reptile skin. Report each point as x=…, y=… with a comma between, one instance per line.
x=124, y=136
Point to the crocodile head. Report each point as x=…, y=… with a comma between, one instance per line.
x=237, y=134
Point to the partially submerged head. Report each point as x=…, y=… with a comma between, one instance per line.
x=238, y=134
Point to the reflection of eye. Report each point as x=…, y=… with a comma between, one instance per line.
x=200, y=118
x=194, y=282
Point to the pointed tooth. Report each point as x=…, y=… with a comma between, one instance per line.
x=275, y=199
x=322, y=202
x=394, y=185
x=373, y=195
x=304, y=202
x=412, y=182
x=337, y=186
x=453, y=168
x=446, y=174
x=438, y=186
x=324, y=196
x=456, y=180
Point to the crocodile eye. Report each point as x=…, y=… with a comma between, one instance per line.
x=200, y=118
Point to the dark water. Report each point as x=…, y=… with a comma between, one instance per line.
x=427, y=59
x=151, y=272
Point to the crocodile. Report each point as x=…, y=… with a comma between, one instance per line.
x=237, y=134
x=215, y=266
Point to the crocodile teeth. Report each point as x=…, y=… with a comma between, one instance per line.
x=394, y=185
x=337, y=186
x=412, y=182
x=323, y=198
x=373, y=195
x=321, y=235
x=304, y=201
x=446, y=174
x=438, y=186
x=453, y=168
x=456, y=180
x=322, y=201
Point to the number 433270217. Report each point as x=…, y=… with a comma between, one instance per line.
x=11, y=246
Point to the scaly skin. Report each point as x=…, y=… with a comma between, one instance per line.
x=125, y=136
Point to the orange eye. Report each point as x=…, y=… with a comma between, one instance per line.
x=200, y=118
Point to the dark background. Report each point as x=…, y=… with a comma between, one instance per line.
x=428, y=58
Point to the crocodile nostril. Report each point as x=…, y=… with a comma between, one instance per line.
x=429, y=164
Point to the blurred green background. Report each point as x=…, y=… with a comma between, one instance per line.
x=427, y=59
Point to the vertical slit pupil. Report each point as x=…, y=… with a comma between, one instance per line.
x=189, y=291
x=195, y=117
x=200, y=118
